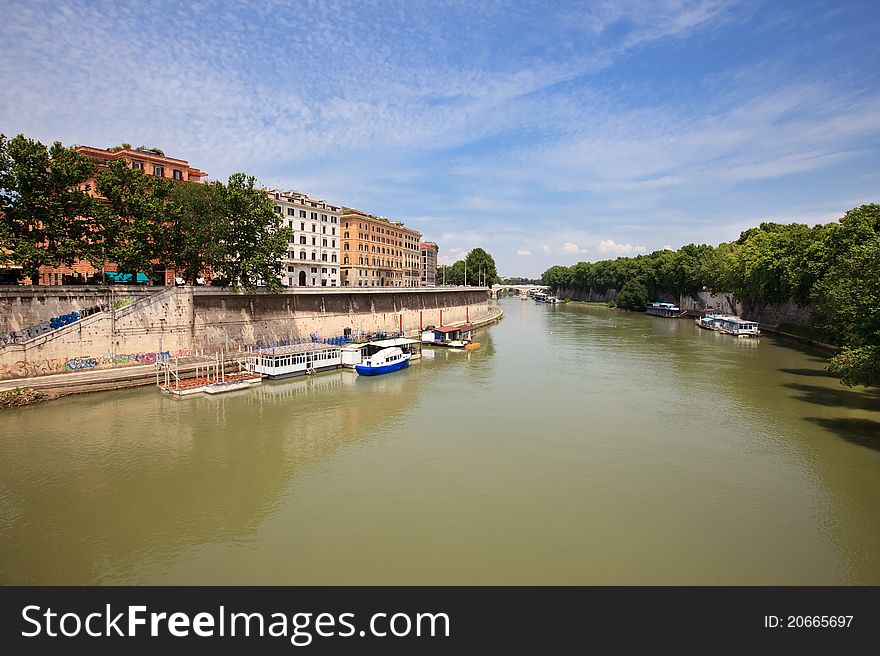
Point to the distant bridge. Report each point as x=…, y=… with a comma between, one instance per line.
x=521, y=289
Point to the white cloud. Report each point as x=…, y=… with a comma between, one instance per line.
x=609, y=246
x=570, y=248
x=523, y=252
x=668, y=248
x=546, y=248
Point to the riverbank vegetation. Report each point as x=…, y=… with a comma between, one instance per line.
x=477, y=269
x=20, y=396
x=143, y=223
x=834, y=268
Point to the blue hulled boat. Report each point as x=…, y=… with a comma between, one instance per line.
x=383, y=362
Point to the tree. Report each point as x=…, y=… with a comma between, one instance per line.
x=191, y=241
x=251, y=233
x=47, y=217
x=557, y=277
x=633, y=296
x=480, y=268
x=135, y=217
x=848, y=313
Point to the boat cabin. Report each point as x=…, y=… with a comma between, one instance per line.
x=736, y=326
x=444, y=334
x=659, y=309
x=294, y=360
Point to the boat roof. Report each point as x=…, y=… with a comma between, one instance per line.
x=305, y=347
x=385, y=352
x=396, y=341
x=452, y=329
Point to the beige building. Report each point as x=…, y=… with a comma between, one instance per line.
x=377, y=252
x=312, y=258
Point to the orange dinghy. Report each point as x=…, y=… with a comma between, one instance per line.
x=472, y=346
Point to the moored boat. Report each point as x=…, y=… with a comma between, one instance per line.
x=383, y=362
x=708, y=320
x=669, y=310
x=736, y=326
x=226, y=386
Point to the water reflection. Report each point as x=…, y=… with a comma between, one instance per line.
x=577, y=445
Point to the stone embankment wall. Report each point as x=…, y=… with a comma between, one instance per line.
x=770, y=314
x=222, y=319
x=182, y=321
x=22, y=306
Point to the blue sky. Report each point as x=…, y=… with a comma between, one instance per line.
x=545, y=132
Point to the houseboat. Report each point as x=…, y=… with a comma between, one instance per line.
x=540, y=297
x=708, y=320
x=455, y=336
x=730, y=325
x=294, y=360
x=659, y=309
x=383, y=362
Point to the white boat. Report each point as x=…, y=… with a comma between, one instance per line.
x=736, y=326
x=383, y=362
x=294, y=360
x=669, y=310
x=709, y=320
x=226, y=386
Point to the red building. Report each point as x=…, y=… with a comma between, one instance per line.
x=151, y=163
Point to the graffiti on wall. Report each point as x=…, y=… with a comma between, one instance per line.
x=28, y=368
x=47, y=326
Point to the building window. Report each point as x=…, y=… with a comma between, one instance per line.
x=291, y=212
x=137, y=166
x=302, y=239
x=302, y=255
x=323, y=217
x=323, y=282
x=314, y=216
x=159, y=171
x=177, y=175
x=323, y=257
x=323, y=269
x=314, y=269
x=314, y=255
x=324, y=243
x=302, y=215
x=278, y=209
x=333, y=258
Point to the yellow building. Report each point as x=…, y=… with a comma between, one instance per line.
x=377, y=252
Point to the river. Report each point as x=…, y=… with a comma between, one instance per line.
x=578, y=445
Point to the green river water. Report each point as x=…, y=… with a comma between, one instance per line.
x=579, y=445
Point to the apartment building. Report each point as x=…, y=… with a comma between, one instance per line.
x=151, y=162
x=377, y=252
x=428, y=251
x=312, y=258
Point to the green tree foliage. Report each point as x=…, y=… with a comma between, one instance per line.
x=252, y=235
x=191, y=241
x=135, y=217
x=47, y=218
x=481, y=269
x=833, y=266
x=848, y=312
x=477, y=269
x=633, y=296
